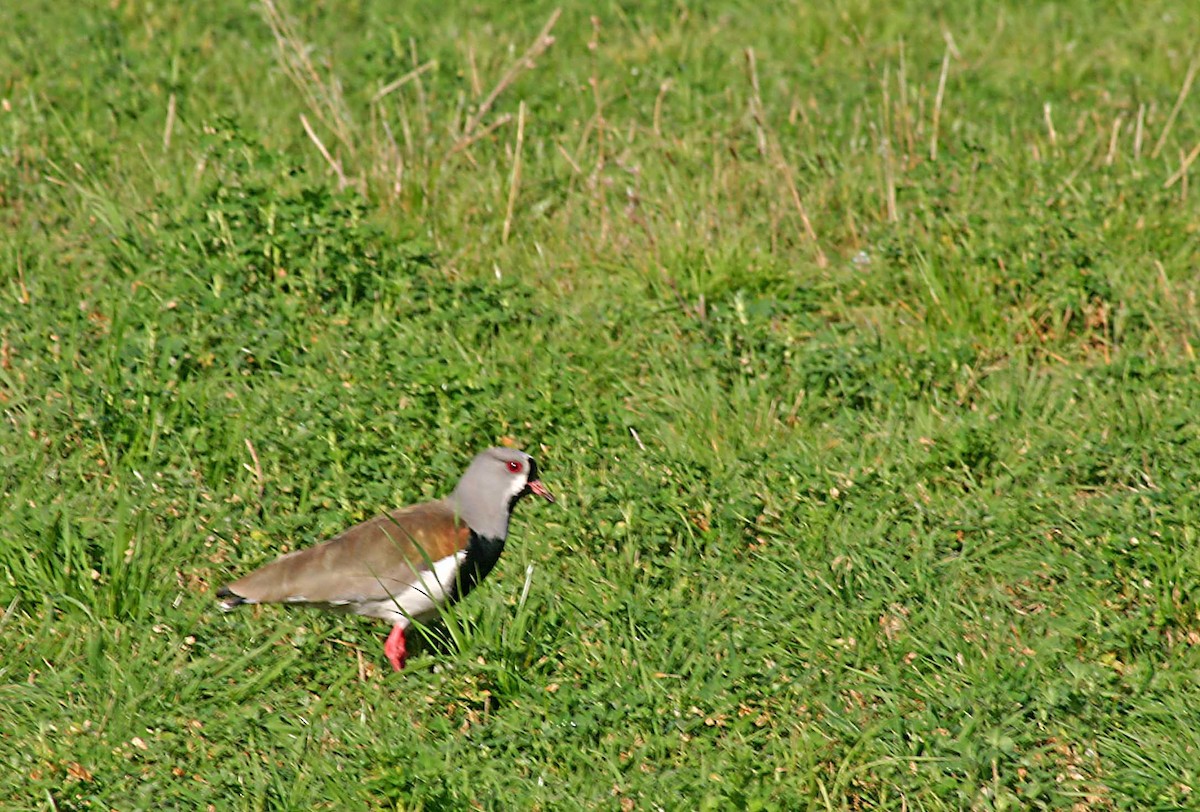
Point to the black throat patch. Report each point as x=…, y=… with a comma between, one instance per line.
x=482, y=555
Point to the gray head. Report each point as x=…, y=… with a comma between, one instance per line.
x=493, y=483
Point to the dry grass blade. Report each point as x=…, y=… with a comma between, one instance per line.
x=798, y=202
x=1139, y=132
x=756, y=110
x=886, y=152
x=393, y=86
x=333, y=163
x=771, y=144
x=937, y=106
x=323, y=100
x=1051, y=133
x=658, y=106
x=1183, y=94
x=888, y=171
x=484, y=133
x=23, y=296
x=1112, y=141
x=515, y=183
x=1185, y=164
x=169, y=127
x=540, y=45
x=256, y=470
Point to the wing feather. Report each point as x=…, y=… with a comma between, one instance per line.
x=371, y=561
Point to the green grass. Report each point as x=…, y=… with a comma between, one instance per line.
x=900, y=517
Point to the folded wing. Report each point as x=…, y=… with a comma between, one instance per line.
x=369, y=563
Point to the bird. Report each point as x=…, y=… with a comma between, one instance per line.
x=404, y=566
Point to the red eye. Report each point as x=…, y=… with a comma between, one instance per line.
x=514, y=466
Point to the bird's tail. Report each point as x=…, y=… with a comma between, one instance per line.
x=229, y=600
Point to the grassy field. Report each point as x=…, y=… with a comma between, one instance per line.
x=857, y=341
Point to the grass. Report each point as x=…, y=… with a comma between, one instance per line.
x=857, y=342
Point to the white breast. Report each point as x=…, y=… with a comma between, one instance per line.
x=419, y=601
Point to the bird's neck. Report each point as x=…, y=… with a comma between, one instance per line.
x=484, y=521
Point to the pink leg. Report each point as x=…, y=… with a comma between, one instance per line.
x=394, y=648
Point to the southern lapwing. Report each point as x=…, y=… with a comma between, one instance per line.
x=404, y=566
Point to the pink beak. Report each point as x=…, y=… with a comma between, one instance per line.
x=537, y=487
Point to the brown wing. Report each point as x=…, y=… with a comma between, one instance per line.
x=369, y=562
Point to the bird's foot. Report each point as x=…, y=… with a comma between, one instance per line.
x=394, y=648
